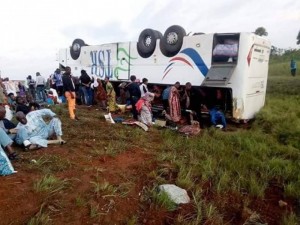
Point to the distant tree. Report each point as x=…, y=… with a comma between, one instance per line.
x=274, y=50
x=261, y=31
x=298, y=38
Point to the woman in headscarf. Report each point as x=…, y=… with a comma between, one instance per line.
x=101, y=94
x=111, y=95
x=143, y=106
x=174, y=103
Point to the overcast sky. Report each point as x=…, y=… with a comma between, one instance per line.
x=32, y=31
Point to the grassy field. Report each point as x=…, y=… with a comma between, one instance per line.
x=108, y=174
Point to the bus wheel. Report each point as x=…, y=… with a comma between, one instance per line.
x=76, y=47
x=147, y=42
x=172, y=40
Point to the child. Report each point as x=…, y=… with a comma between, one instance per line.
x=51, y=99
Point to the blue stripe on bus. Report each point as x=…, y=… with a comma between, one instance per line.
x=197, y=59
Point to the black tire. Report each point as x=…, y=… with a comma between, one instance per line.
x=172, y=40
x=76, y=48
x=147, y=42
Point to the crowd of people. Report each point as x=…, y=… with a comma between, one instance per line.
x=26, y=102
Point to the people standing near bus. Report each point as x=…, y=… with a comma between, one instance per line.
x=135, y=94
x=293, y=67
x=58, y=83
x=69, y=89
x=174, y=103
x=31, y=87
x=111, y=95
x=143, y=87
x=40, y=87
x=165, y=98
x=193, y=99
x=101, y=96
x=86, y=81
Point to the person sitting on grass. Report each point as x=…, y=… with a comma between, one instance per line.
x=6, y=143
x=11, y=99
x=214, y=106
x=51, y=98
x=143, y=107
x=33, y=132
x=7, y=125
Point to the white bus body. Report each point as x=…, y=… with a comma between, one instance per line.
x=236, y=62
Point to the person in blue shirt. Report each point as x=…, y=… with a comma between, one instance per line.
x=215, y=106
x=293, y=67
x=6, y=167
x=165, y=97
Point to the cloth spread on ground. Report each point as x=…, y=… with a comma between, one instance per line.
x=137, y=123
x=190, y=129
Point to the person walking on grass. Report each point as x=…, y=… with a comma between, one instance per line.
x=293, y=66
x=111, y=96
x=69, y=89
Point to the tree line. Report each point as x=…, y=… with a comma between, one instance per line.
x=261, y=31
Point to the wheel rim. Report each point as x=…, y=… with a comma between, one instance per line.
x=76, y=47
x=148, y=41
x=172, y=38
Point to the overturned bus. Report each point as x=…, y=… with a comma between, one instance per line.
x=236, y=63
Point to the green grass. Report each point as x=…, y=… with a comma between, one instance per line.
x=243, y=162
x=51, y=185
x=290, y=219
x=40, y=219
x=50, y=164
x=162, y=199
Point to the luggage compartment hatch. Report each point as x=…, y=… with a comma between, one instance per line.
x=219, y=74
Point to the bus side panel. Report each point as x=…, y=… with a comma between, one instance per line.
x=99, y=60
x=249, y=80
x=239, y=76
x=189, y=65
x=257, y=80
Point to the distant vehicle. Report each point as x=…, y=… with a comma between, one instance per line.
x=237, y=63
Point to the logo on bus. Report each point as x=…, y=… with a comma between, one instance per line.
x=189, y=54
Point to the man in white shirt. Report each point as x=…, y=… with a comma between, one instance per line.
x=143, y=87
x=33, y=132
x=40, y=87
